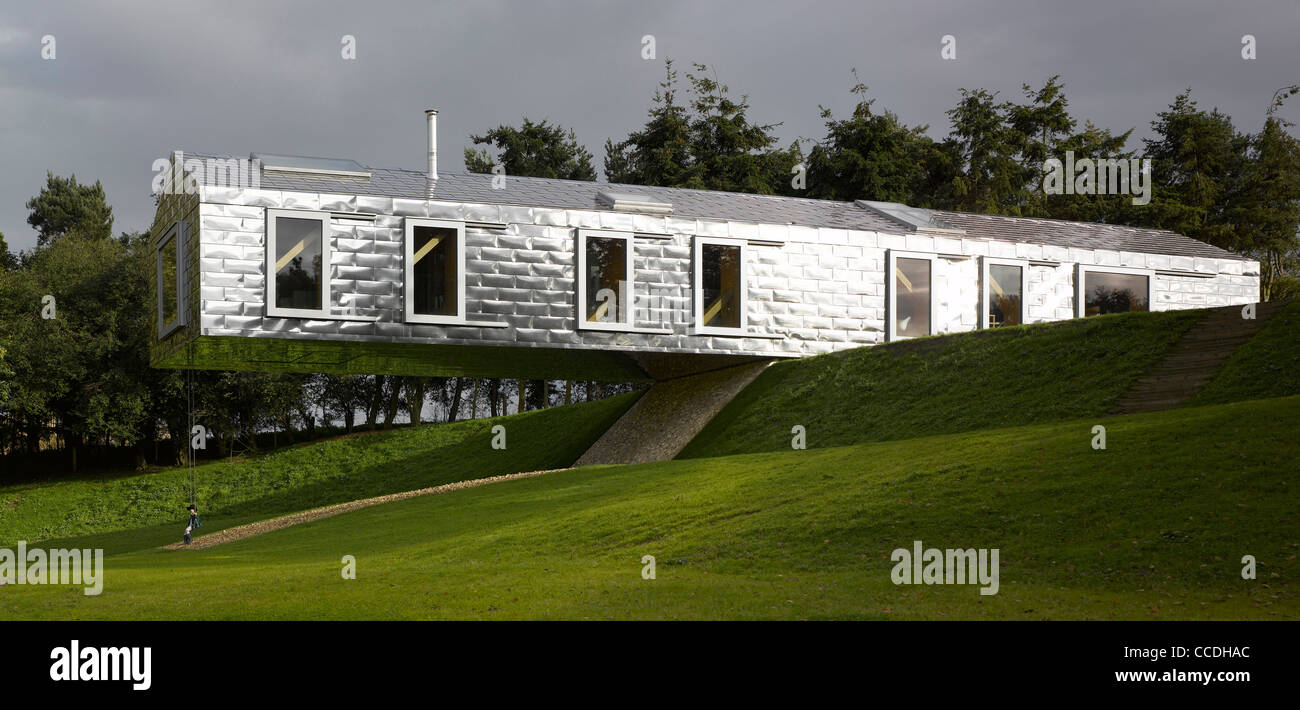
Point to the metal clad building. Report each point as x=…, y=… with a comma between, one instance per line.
x=312, y=265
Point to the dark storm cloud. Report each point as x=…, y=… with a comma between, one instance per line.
x=132, y=81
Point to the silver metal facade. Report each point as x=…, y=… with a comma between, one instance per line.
x=809, y=290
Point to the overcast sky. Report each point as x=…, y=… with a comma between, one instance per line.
x=132, y=81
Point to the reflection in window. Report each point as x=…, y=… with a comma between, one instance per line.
x=433, y=271
x=1004, y=295
x=299, y=244
x=1113, y=293
x=169, y=301
x=912, y=299
x=606, y=280
x=720, y=284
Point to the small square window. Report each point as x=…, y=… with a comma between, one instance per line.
x=1003, y=292
x=435, y=271
x=605, y=291
x=298, y=258
x=719, y=286
x=911, y=300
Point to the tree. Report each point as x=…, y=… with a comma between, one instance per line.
x=64, y=207
x=1267, y=207
x=415, y=397
x=8, y=262
x=660, y=153
x=990, y=177
x=710, y=145
x=343, y=396
x=1114, y=207
x=5, y=374
x=533, y=150
x=728, y=151
x=1197, y=160
x=1038, y=129
x=872, y=156
x=80, y=376
x=392, y=394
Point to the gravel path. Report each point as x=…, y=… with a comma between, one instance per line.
x=262, y=527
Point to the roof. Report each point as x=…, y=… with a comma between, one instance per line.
x=1082, y=235
x=735, y=206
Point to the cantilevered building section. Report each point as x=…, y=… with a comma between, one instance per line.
x=325, y=265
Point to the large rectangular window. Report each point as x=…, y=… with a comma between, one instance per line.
x=170, y=269
x=1113, y=290
x=435, y=268
x=605, y=280
x=911, y=295
x=298, y=258
x=1003, y=292
x=719, y=286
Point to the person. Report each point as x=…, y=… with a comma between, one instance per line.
x=194, y=523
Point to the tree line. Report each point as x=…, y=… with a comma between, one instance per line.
x=81, y=382
x=76, y=389
x=1209, y=180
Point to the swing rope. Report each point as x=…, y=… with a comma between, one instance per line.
x=189, y=430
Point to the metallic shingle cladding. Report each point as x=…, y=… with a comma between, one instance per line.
x=1081, y=235
x=732, y=206
x=811, y=289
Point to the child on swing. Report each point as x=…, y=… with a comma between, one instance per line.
x=195, y=523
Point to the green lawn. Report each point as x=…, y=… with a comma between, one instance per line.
x=148, y=509
x=1153, y=527
x=945, y=384
x=1268, y=365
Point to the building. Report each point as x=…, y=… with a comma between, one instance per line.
x=301, y=264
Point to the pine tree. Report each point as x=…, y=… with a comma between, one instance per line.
x=1267, y=207
x=63, y=207
x=532, y=150
x=1197, y=160
x=873, y=156
x=658, y=154
x=990, y=178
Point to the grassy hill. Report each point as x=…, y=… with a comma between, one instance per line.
x=963, y=382
x=979, y=440
x=1268, y=365
x=1152, y=527
x=148, y=508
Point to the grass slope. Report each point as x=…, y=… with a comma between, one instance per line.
x=300, y=477
x=1268, y=365
x=953, y=383
x=1154, y=526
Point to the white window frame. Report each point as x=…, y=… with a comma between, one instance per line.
x=1023, y=265
x=625, y=300
x=177, y=232
x=697, y=283
x=1080, y=281
x=408, y=275
x=891, y=305
x=326, y=264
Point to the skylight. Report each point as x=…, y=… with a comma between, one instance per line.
x=920, y=220
x=337, y=167
x=632, y=202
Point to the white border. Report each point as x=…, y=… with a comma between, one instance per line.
x=697, y=283
x=1080, y=273
x=985, y=263
x=326, y=264
x=626, y=311
x=891, y=300
x=408, y=254
x=178, y=232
